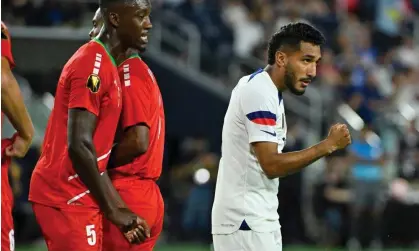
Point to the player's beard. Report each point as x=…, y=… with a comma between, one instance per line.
x=291, y=81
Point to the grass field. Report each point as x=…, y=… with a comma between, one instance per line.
x=203, y=248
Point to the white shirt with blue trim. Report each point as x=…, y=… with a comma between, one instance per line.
x=243, y=191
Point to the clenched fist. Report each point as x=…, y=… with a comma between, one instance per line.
x=134, y=228
x=339, y=137
x=19, y=148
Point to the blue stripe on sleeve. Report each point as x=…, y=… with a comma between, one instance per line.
x=261, y=115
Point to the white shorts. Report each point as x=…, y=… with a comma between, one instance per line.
x=248, y=241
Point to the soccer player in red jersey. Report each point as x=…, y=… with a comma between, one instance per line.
x=68, y=193
x=136, y=161
x=13, y=106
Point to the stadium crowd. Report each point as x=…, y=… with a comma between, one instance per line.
x=370, y=64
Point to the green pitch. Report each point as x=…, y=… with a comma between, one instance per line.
x=162, y=248
x=185, y=247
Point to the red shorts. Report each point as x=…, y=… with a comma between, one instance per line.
x=7, y=231
x=70, y=228
x=143, y=197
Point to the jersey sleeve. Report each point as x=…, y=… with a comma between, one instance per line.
x=6, y=46
x=260, y=115
x=137, y=98
x=87, y=84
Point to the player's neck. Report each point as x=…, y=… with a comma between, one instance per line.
x=277, y=77
x=126, y=55
x=112, y=43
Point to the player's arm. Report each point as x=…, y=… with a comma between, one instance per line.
x=86, y=93
x=81, y=125
x=12, y=103
x=135, y=122
x=134, y=142
x=260, y=121
x=112, y=191
x=276, y=164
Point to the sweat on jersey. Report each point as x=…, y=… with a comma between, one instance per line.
x=243, y=191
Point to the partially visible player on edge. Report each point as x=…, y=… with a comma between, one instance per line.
x=69, y=195
x=136, y=161
x=13, y=106
x=244, y=214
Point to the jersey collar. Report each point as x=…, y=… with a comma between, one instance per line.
x=106, y=49
x=135, y=55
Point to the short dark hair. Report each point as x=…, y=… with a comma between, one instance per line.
x=291, y=35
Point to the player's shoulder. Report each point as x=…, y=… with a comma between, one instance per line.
x=134, y=65
x=135, y=72
x=93, y=50
x=5, y=35
x=4, y=31
x=92, y=55
x=6, y=45
x=261, y=80
x=255, y=86
x=134, y=60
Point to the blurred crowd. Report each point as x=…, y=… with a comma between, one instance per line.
x=370, y=64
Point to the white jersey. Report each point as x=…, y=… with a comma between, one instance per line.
x=243, y=191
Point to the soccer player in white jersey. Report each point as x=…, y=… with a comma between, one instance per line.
x=244, y=214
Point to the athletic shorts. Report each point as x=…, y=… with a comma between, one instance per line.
x=7, y=231
x=248, y=241
x=70, y=228
x=143, y=197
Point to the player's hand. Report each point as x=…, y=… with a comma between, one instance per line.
x=339, y=137
x=134, y=228
x=139, y=233
x=19, y=147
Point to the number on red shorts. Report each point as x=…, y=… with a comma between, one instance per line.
x=91, y=235
x=12, y=240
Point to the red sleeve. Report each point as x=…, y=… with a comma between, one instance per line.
x=6, y=46
x=137, y=99
x=86, y=87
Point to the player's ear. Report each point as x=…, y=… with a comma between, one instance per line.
x=114, y=19
x=281, y=58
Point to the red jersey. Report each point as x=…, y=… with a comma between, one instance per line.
x=89, y=80
x=142, y=104
x=6, y=51
x=6, y=45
